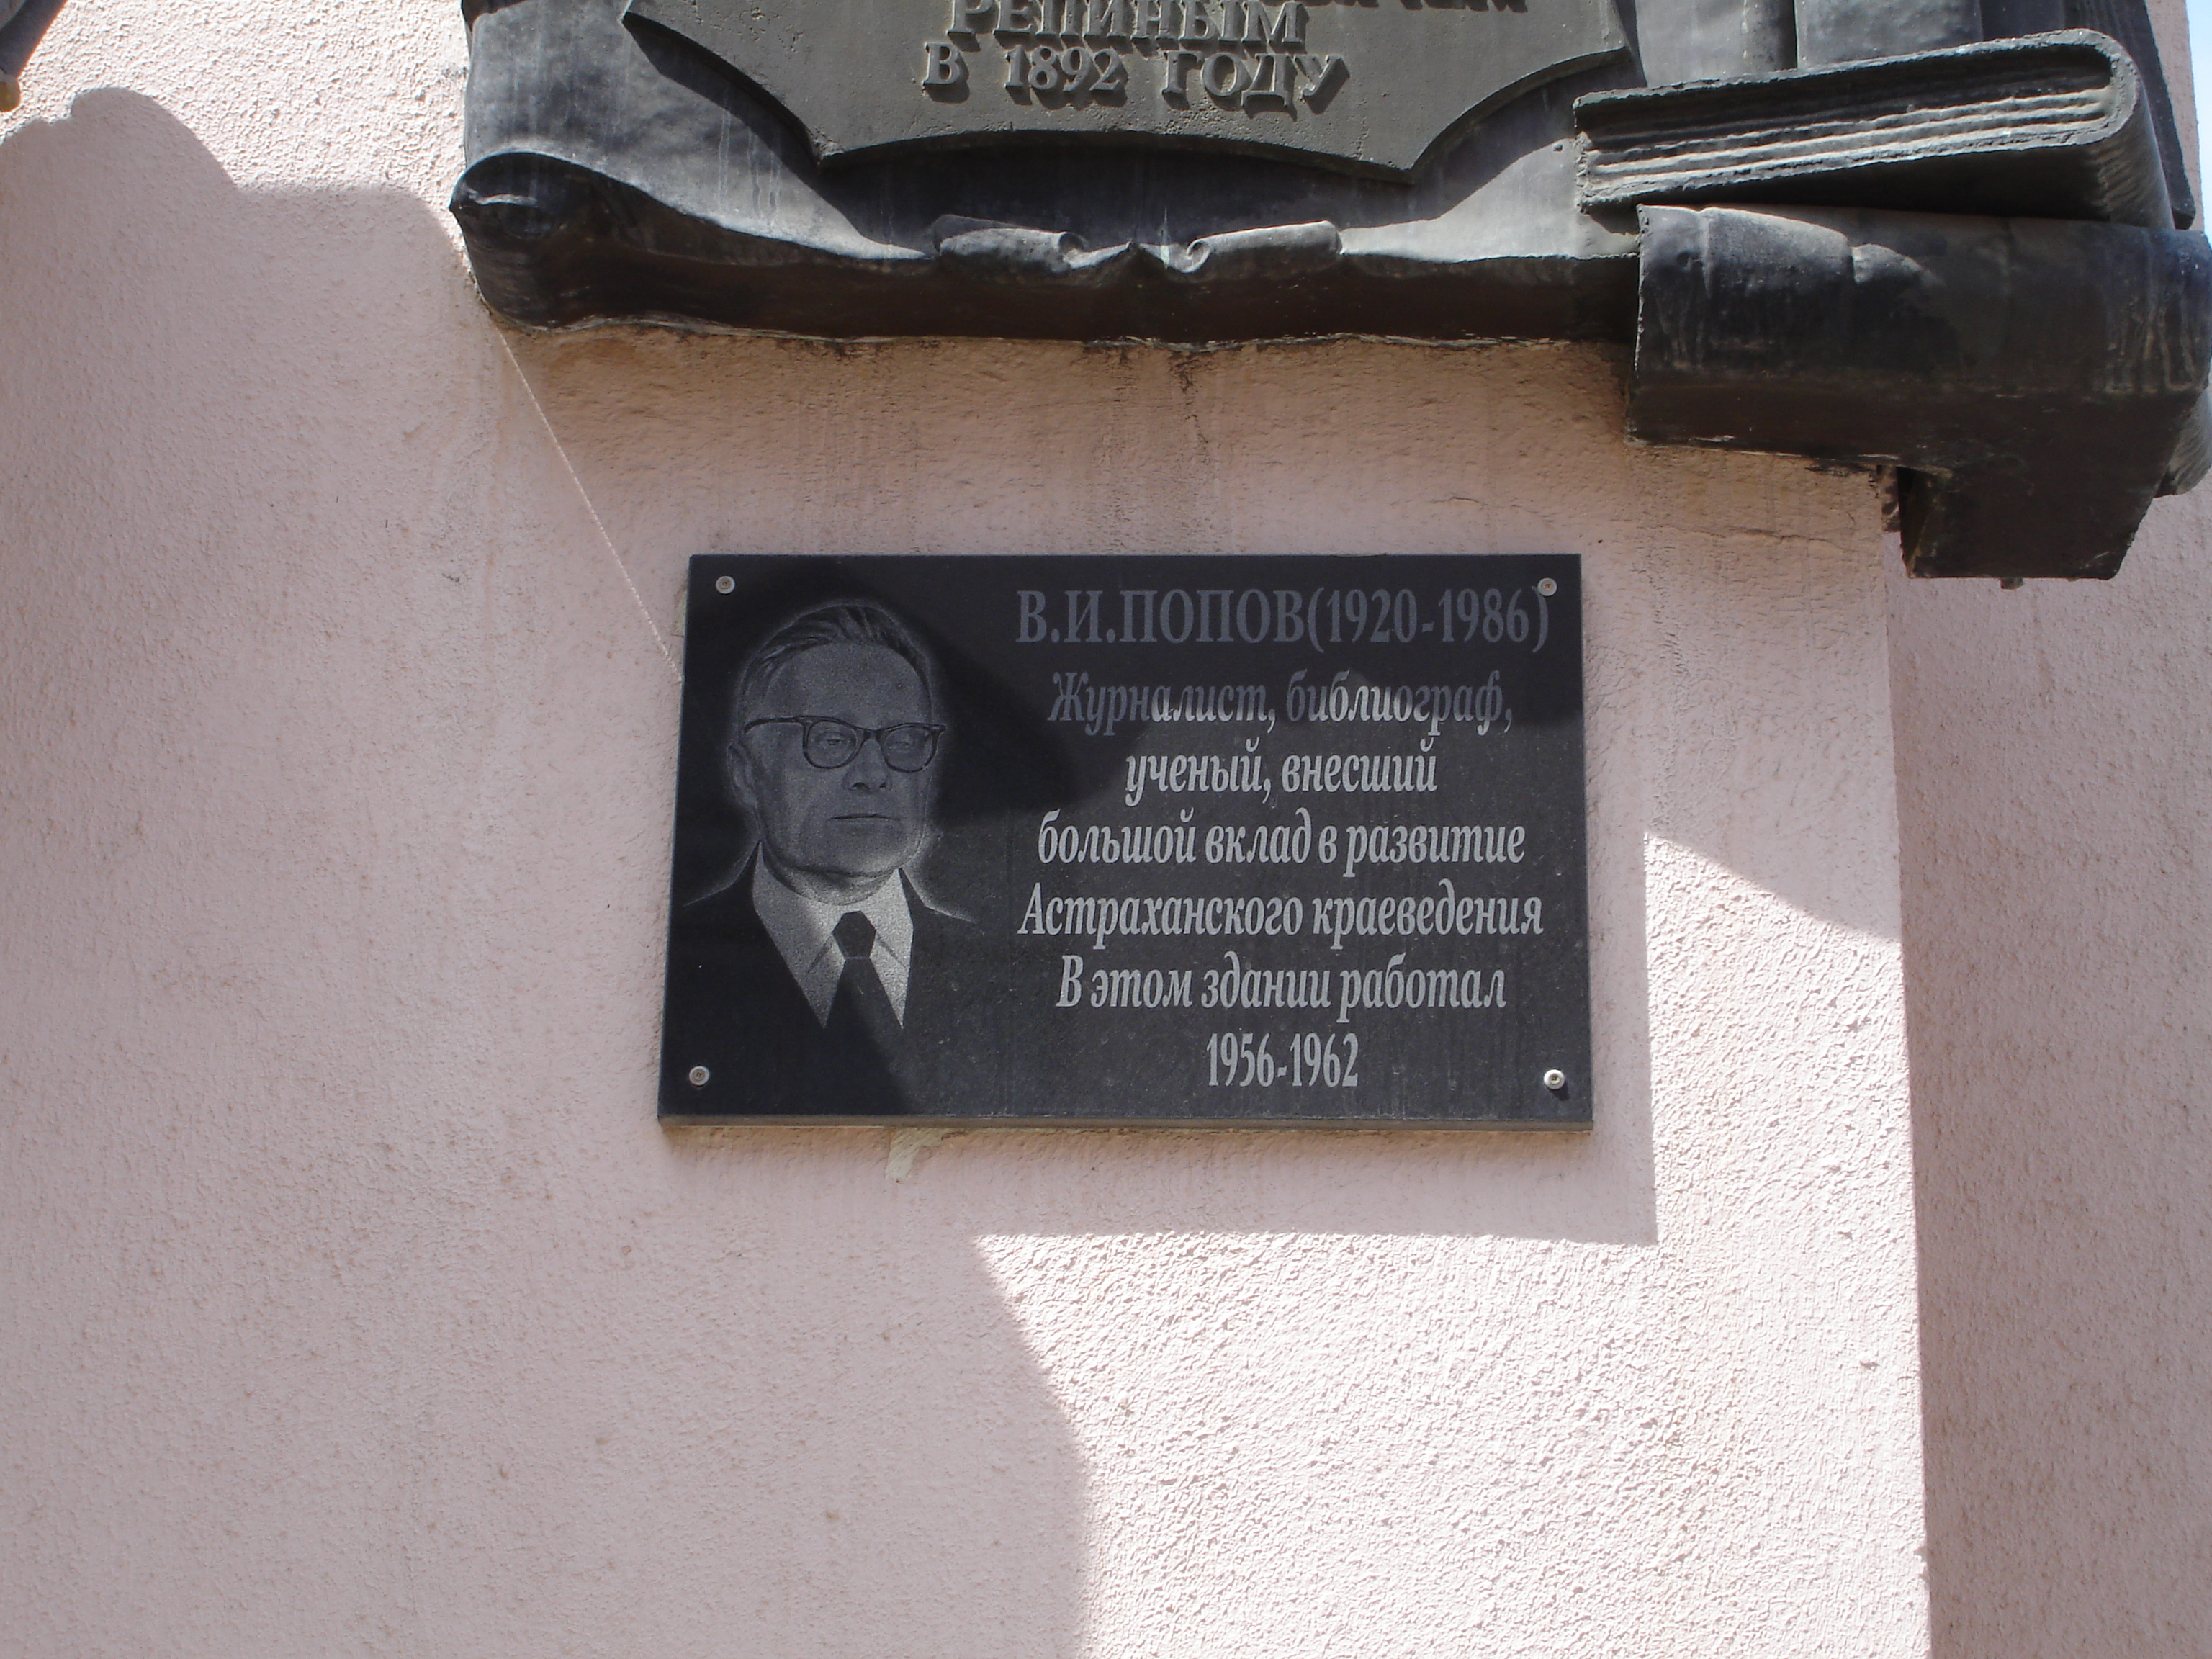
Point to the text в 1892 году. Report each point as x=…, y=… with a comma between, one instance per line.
x=1370, y=87
x=1244, y=53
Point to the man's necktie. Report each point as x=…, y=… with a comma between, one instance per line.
x=860, y=1014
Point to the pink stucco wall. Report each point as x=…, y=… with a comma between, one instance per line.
x=2054, y=749
x=351, y=1301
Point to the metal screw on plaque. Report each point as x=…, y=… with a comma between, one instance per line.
x=1555, y=1080
x=699, y=1074
x=722, y=585
x=1547, y=587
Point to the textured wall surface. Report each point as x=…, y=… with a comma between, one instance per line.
x=2054, y=748
x=352, y=1303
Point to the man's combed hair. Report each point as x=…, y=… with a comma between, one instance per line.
x=844, y=621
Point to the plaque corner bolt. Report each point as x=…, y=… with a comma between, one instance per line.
x=1555, y=1080
x=698, y=1076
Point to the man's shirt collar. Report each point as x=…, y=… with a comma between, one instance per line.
x=804, y=931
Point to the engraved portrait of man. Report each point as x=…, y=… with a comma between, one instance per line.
x=816, y=979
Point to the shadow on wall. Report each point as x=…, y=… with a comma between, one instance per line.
x=691, y=444
x=356, y=1302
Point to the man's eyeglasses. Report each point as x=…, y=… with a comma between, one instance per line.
x=829, y=744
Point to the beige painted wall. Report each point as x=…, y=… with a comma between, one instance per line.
x=352, y=1302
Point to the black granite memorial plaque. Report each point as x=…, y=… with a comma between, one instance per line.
x=1170, y=841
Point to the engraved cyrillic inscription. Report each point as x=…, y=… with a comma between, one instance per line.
x=1242, y=54
x=1371, y=85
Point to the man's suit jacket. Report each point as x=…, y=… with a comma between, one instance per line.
x=735, y=1008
